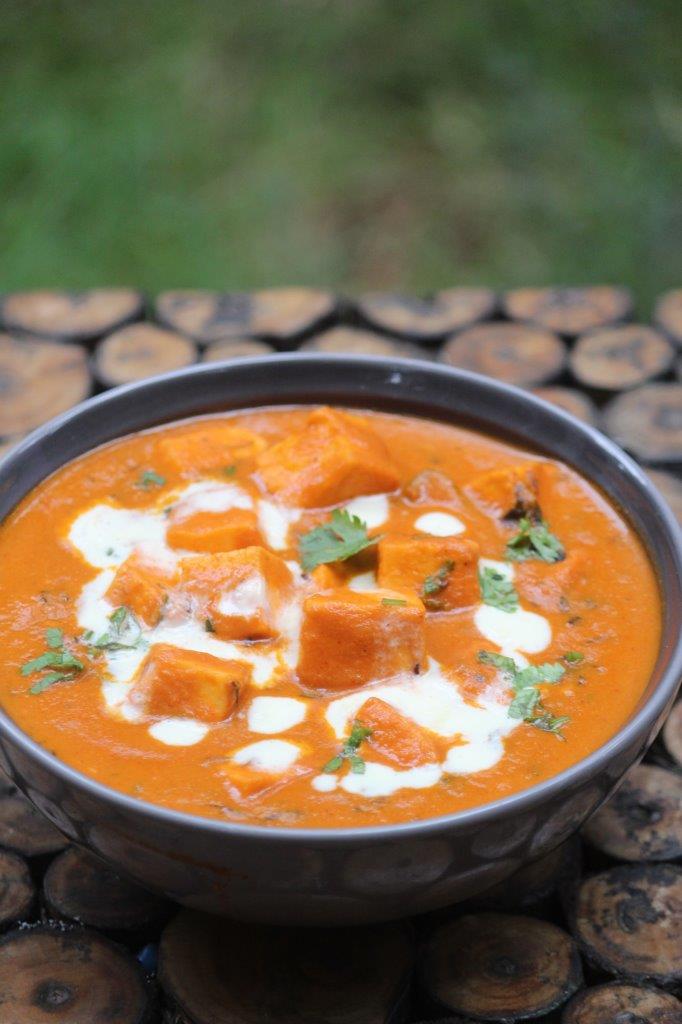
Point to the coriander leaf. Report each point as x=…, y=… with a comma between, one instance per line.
x=49, y=680
x=344, y=535
x=534, y=540
x=436, y=582
x=230, y=470
x=150, y=479
x=393, y=602
x=54, y=637
x=500, y=661
x=573, y=657
x=550, y=723
x=349, y=751
x=46, y=660
x=497, y=590
x=524, y=703
x=208, y=626
x=125, y=633
x=548, y=672
x=527, y=701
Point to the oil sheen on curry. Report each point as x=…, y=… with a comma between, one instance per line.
x=321, y=617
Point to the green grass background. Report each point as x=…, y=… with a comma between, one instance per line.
x=358, y=143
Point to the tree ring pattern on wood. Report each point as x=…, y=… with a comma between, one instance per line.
x=351, y=341
x=628, y=921
x=619, y=1002
x=430, y=318
x=74, y=316
x=643, y=820
x=621, y=357
x=282, y=313
x=25, y=830
x=500, y=967
x=17, y=891
x=572, y=401
x=569, y=311
x=668, y=314
x=141, y=350
x=648, y=422
x=509, y=352
x=38, y=380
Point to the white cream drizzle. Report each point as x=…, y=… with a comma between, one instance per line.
x=268, y=755
x=275, y=714
x=373, y=509
x=178, y=732
x=274, y=521
x=439, y=524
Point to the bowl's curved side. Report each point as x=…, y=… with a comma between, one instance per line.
x=344, y=876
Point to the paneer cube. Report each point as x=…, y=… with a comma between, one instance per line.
x=209, y=447
x=141, y=587
x=214, y=531
x=512, y=492
x=239, y=592
x=335, y=457
x=326, y=577
x=173, y=682
x=396, y=738
x=350, y=638
x=442, y=571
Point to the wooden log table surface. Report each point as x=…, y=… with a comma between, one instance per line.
x=591, y=933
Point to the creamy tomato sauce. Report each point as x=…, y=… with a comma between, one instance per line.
x=321, y=617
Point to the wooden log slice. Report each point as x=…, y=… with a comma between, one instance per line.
x=648, y=422
x=509, y=352
x=569, y=311
x=628, y=921
x=572, y=401
x=25, y=830
x=281, y=313
x=141, y=350
x=670, y=488
x=668, y=314
x=618, y=1002
x=643, y=820
x=17, y=891
x=236, y=348
x=535, y=882
x=215, y=971
x=672, y=734
x=69, y=977
x=71, y=316
x=620, y=357
x=79, y=887
x=427, y=319
x=38, y=380
x=500, y=967
x=350, y=341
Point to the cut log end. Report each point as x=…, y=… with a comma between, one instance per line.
x=50, y=974
x=350, y=341
x=427, y=319
x=236, y=348
x=524, y=356
x=618, y=1002
x=572, y=401
x=17, y=891
x=643, y=820
x=668, y=314
x=648, y=422
x=281, y=313
x=535, y=882
x=672, y=734
x=214, y=970
x=25, y=830
x=71, y=316
x=621, y=357
x=139, y=351
x=79, y=887
x=628, y=922
x=500, y=967
x=39, y=380
x=569, y=311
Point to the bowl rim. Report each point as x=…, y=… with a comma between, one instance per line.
x=643, y=720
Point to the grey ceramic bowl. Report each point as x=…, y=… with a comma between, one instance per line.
x=345, y=876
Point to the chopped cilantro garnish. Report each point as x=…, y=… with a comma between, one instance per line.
x=344, y=535
x=208, y=626
x=124, y=634
x=230, y=470
x=150, y=479
x=63, y=663
x=534, y=540
x=349, y=751
x=497, y=589
x=573, y=657
x=394, y=602
x=435, y=583
x=527, y=703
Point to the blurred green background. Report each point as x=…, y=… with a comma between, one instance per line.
x=358, y=143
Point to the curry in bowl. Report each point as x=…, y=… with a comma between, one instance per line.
x=317, y=617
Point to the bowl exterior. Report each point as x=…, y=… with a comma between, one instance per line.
x=324, y=877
